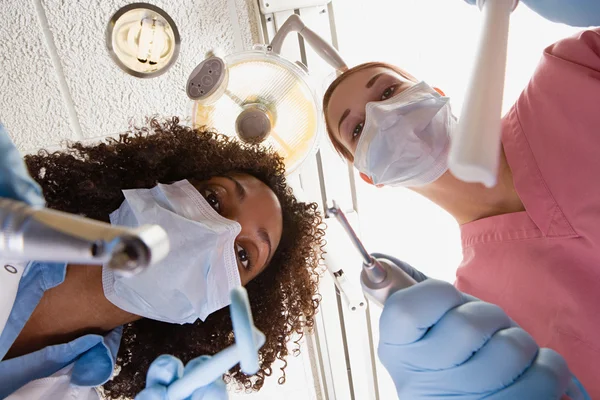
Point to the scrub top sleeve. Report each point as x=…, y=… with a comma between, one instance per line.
x=558, y=116
x=582, y=49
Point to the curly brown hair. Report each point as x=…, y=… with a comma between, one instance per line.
x=88, y=179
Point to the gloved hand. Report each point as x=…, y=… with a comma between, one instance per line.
x=437, y=342
x=15, y=182
x=406, y=267
x=167, y=369
x=570, y=12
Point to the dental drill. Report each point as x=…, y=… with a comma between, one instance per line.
x=36, y=233
x=379, y=277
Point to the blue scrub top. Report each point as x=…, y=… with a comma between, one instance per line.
x=93, y=356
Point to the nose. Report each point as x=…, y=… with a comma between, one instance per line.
x=235, y=213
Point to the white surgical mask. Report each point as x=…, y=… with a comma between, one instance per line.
x=405, y=140
x=195, y=278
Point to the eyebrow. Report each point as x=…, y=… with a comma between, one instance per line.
x=239, y=189
x=264, y=237
x=373, y=80
x=344, y=115
x=368, y=86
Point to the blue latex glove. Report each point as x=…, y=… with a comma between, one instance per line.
x=15, y=182
x=437, y=343
x=167, y=369
x=406, y=267
x=570, y=12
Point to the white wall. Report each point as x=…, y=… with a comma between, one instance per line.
x=58, y=81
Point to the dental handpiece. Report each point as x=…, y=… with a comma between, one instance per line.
x=379, y=277
x=36, y=233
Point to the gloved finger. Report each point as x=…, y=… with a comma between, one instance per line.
x=576, y=391
x=573, y=13
x=163, y=371
x=410, y=270
x=155, y=392
x=195, y=362
x=409, y=313
x=495, y=366
x=546, y=379
x=459, y=334
x=215, y=391
x=15, y=182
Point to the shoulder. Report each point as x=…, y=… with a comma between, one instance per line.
x=551, y=135
x=564, y=89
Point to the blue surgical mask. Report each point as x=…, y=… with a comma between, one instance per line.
x=405, y=140
x=195, y=278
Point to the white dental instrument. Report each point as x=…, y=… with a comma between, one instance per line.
x=475, y=146
x=379, y=277
x=248, y=340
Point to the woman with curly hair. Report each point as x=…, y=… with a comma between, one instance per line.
x=278, y=250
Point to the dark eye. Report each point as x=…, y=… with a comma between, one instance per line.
x=387, y=93
x=242, y=255
x=212, y=199
x=357, y=130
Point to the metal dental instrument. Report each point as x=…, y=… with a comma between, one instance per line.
x=379, y=277
x=36, y=233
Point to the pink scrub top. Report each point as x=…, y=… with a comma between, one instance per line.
x=542, y=266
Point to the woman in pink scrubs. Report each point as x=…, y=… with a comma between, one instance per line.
x=532, y=243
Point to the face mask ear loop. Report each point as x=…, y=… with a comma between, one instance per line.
x=366, y=178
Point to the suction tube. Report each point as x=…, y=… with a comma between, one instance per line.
x=475, y=147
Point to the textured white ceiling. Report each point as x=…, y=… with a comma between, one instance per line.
x=31, y=106
x=58, y=81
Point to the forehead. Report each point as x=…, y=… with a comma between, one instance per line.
x=253, y=184
x=262, y=208
x=260, y=197
x=353, y=87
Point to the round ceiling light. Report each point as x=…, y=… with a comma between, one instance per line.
x=143, y=40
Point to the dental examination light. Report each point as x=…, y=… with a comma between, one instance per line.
x=261, y=97
x=475, y=146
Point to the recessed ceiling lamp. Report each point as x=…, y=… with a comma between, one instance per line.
x=143, y=40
